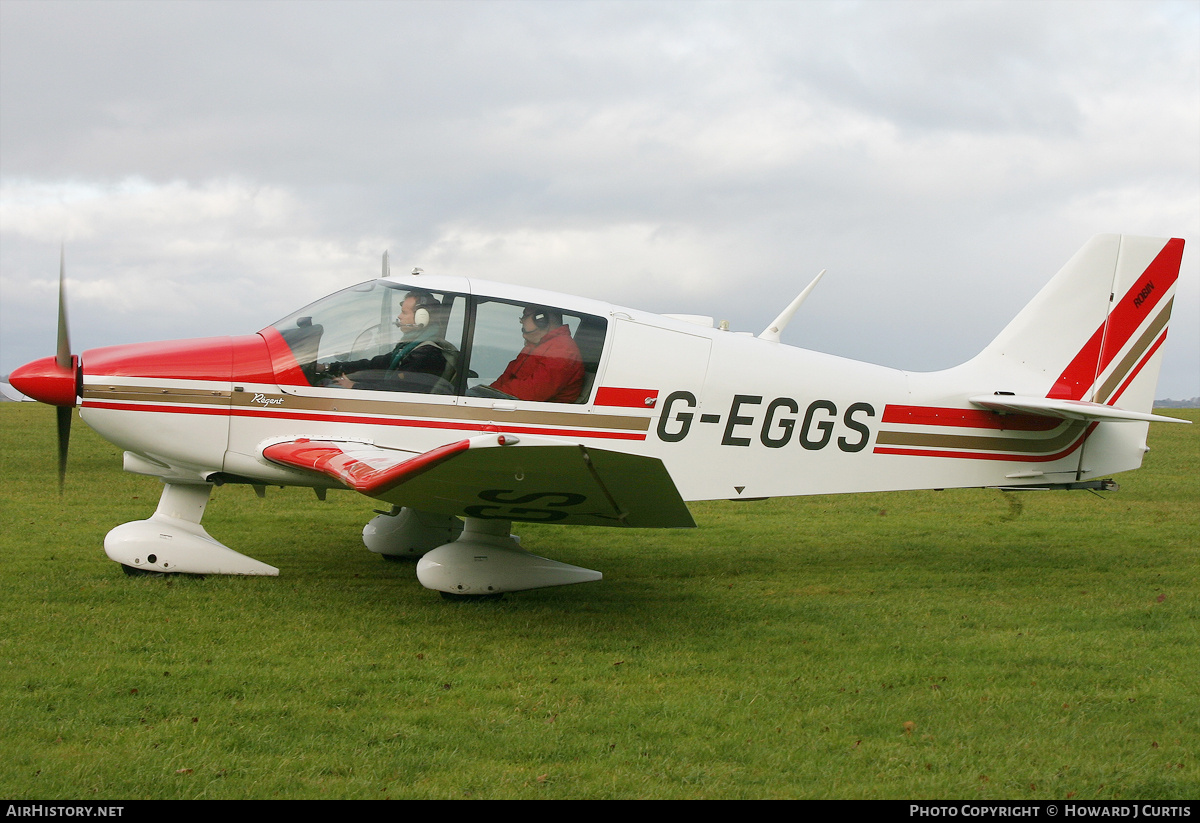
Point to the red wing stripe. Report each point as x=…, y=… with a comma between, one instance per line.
x=329, y=459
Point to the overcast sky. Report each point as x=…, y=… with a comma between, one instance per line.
x=213, y=166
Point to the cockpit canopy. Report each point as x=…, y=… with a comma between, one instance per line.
x=443, y=342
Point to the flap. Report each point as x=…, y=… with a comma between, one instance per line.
x=503, y=477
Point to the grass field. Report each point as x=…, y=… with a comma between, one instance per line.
x=960, y=644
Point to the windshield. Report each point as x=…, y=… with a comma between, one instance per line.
x=344, y=334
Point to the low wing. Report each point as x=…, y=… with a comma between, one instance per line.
x=1065, y=409
x=503, y=477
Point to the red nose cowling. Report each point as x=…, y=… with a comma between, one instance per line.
x=44, y=380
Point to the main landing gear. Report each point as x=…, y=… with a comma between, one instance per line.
x=464, y=560
x=471, y=559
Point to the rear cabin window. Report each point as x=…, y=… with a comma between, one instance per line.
x=534, y=353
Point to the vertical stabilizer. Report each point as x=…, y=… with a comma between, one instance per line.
x=1093, y=333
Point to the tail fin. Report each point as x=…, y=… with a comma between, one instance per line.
x=1093, y=333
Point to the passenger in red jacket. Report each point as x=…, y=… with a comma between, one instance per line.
x=549, y=368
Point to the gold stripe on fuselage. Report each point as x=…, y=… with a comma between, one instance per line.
x=144, y=394
x=355, y=405
x=1062, y=437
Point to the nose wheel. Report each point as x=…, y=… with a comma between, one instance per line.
x=172, y=541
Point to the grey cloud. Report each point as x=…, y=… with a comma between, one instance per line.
x=942, y=159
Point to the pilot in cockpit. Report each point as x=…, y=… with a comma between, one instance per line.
x=423, y=361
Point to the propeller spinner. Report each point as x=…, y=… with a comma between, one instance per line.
x=57, y=380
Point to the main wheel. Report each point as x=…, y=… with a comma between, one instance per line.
x=471, y=598
x=134, y=571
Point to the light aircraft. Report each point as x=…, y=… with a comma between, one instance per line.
x=656, y=410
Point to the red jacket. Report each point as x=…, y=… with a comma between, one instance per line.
x=552, y=370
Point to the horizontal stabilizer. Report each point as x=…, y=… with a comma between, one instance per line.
x=503, y=477
x=1065, y=409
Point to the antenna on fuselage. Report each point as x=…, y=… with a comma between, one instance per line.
x=777, y=326
x=387, y=267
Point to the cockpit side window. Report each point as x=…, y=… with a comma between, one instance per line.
x=532, y=352
x=380, y=336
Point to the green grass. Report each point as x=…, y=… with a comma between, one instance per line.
x=961, y=644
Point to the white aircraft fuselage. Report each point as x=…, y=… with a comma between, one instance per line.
x=670, y=409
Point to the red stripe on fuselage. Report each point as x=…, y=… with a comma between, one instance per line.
x=627, y=398
x=967, y=418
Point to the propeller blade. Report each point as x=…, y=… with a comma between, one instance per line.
x=64, y=438
x=63, y=360
x=57, y=380
x=63, y=356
